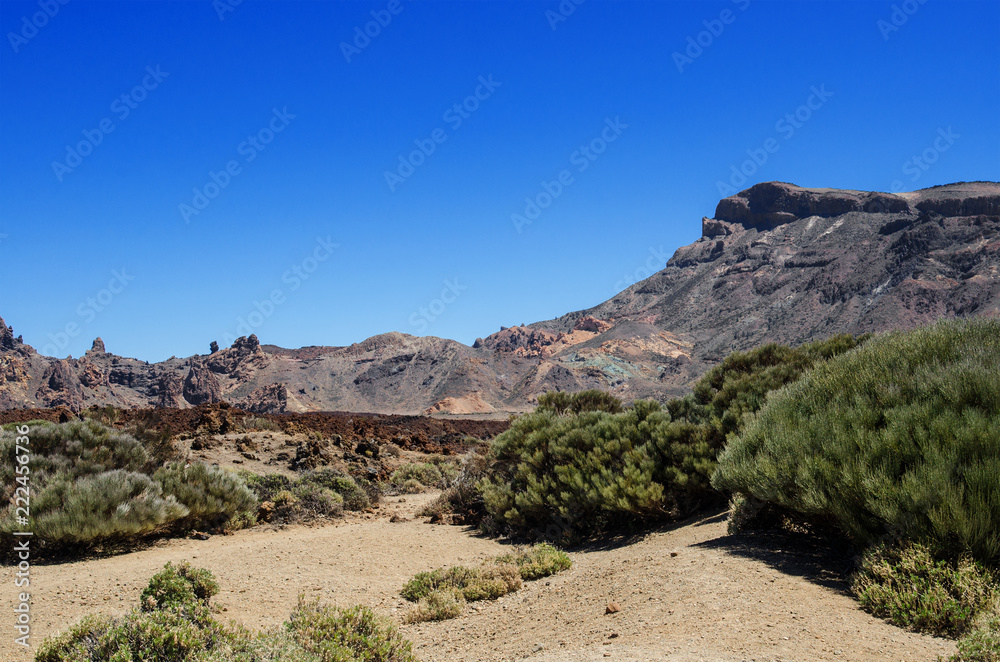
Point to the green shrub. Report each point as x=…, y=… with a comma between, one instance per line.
x=211, y=495
x=912, y=588
x=492, y=581
x=259, y=424
x=421, y=473
x=265, y=486
x=354, y=634
x=157, y=636
x=69, y=451
x=488, y=582
x=175, y=625
x=438, y=605
x=354, y=495
x=560, y=402
x=91, y=486
x=316, y=494
x=179, y=587
x=424, y=583
x=982, y=642
x=579, y=464
x=412, y=486
x=314, y=501
x=442, y=593
x=537, y=561
x=560, y=477
x=109, y=507
x=900, y=437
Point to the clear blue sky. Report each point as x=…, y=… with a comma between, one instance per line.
x=184, y=90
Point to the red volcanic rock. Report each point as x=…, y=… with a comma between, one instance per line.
x=592, y=324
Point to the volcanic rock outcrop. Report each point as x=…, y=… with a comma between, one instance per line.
x=776, y=262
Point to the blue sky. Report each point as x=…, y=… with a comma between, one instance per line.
x=170, y=171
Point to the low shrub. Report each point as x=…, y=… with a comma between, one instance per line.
x=537, y=561
x=156, y=636
x=259, y=424
x=356, y=497
x=265, y=486
x=317, y=494
x=898, y=439
x=70, y=451
x=355, y=634
x=581, y=464
x=446, y=590
x=313, y=501
x=179, y=587
x=982, y=642
x=488, y=582
x=423, y=473
x=93, y=486
x=109, y=507
x=438, y=605
x=174, y=624
x=911, y=587
x=212, y=495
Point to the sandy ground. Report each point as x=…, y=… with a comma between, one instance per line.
x=718, y=599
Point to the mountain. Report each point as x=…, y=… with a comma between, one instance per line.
x=776, y=262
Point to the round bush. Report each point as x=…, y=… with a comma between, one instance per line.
x=211, y=495
x=111, y=506
x=898, y=438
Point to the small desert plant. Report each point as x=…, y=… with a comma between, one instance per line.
x=156, y=636
x=354, y=495
x=488, y=582
x=422, y=473
x=314, y=501
x=464, y=496
x=70, y=450
x=537, y=561
x=211, y=495
x=982, y=642
x=316, y=494
x=109, y=507
x=352, y=634
x=442, y=593
x=438, y=605
x=175, y=624
x=178, y=587
x=259, y=424
x=912, y=588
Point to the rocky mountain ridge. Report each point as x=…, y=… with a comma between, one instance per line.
x=776, y=262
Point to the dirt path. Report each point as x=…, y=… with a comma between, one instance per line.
x=719, y=598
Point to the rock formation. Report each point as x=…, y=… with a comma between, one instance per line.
x=777, y=262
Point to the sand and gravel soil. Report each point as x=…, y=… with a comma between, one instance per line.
x=686, y=593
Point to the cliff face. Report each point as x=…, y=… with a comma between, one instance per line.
x=776, y=263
